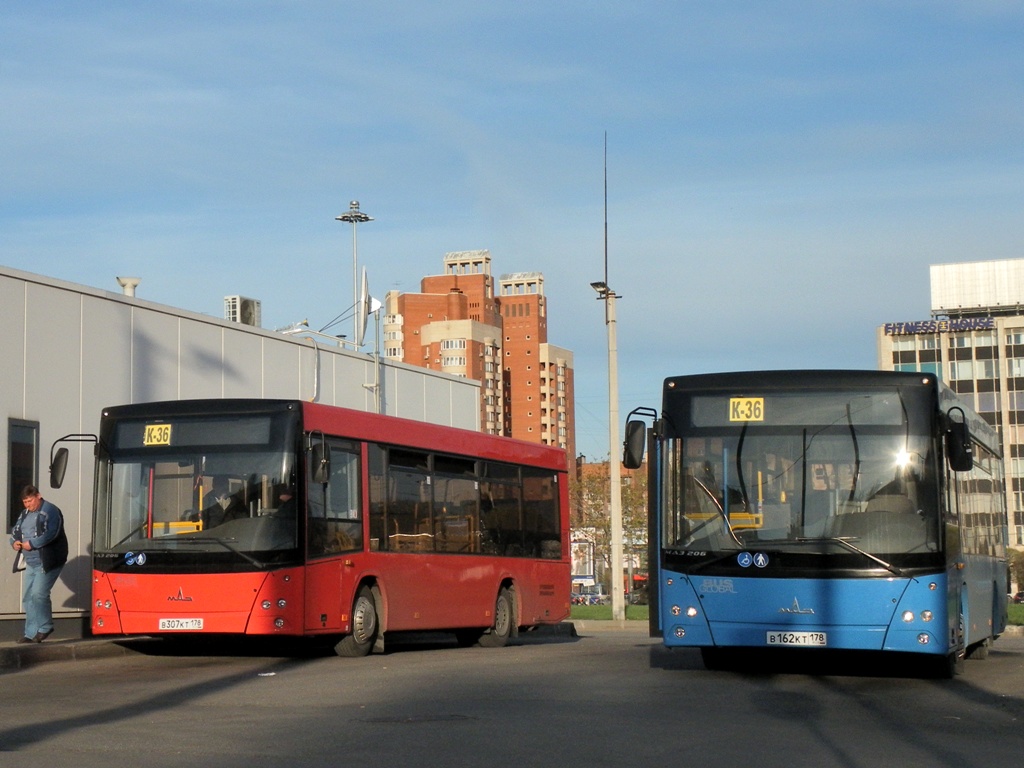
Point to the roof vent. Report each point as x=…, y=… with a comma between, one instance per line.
x=128, y=284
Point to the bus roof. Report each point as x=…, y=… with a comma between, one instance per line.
x=785, y=379
x=362, y=425
x=838, y=379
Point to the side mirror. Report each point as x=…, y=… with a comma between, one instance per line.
x=958, y=443
x=320, y=463
x=58, y=466
x=635, y=443
x=59, y=456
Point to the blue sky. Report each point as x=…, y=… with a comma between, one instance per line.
x=780, y=175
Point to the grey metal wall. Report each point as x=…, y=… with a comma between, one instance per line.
x=67, y=351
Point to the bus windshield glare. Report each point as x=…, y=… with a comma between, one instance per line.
x=828, y=472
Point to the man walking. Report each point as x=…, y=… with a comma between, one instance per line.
x=39, y=538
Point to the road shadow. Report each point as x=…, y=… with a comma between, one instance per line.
x=766, y=662
x=319, y=647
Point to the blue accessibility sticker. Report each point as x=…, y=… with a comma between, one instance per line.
x=133, y=558
x=744, y=559
x=760, y=559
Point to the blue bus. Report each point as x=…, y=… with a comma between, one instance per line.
x=850, y=510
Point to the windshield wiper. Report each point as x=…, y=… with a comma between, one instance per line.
x=134, y=532
x=720, y=510
x=227, y=545
x=856, y=453
x=845, y=542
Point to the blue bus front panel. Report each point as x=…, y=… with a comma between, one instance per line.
x=890, y=614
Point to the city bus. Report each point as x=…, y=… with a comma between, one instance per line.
x=295, y=519
x=849, y=510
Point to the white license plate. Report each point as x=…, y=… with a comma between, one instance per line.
x=797, y=638
x=180, y=625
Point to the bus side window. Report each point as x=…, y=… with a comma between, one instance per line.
x=377, y=460
x=334, y=520
x=501, y=526
x=540, y=496
x=455, y=505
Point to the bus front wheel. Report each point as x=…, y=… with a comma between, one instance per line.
x=504, y=621
x=365, y=627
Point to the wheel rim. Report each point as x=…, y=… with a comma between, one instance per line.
x=364, y=620
x=502, y=616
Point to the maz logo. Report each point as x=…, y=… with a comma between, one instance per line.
x=796, y=608
x=180, y=597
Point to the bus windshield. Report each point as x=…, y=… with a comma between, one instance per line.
x=831, y=472
x=197, y=492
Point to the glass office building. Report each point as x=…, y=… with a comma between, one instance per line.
x=974, y=341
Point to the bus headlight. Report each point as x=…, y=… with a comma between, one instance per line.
x=691, y=612
x=266, y=605
x=279, y=622
x=923, y=639
x=908, y=616
x=282, y=603
x=926, y=616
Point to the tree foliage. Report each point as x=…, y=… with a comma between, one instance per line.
x=589, y=493
x=1016, y=558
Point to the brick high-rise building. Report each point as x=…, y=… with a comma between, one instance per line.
x=539, y=404
x=457, y=324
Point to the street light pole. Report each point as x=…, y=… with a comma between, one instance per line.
x=354, y=217
x=606, y=294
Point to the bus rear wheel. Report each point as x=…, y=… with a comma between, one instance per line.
x=504, y=621
x=979, y=650
x=365, y=627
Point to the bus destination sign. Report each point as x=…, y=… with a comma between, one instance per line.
x=157, y=434
x=746, y=409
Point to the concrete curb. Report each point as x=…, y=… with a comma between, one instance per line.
x=609, y=625
x=15, y=656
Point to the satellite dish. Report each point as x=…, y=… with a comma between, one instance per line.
x=363, y=311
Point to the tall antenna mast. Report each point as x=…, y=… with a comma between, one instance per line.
x=606, y=207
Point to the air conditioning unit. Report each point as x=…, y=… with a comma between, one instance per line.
x=241, y=309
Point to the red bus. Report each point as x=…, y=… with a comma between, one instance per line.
x=289, y=518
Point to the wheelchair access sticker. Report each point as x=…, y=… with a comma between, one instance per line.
x=746, y=559
x=133, y=558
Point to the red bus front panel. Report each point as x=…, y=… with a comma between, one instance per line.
x=230, y=603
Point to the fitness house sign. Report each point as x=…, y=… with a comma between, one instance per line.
x=940, y=326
